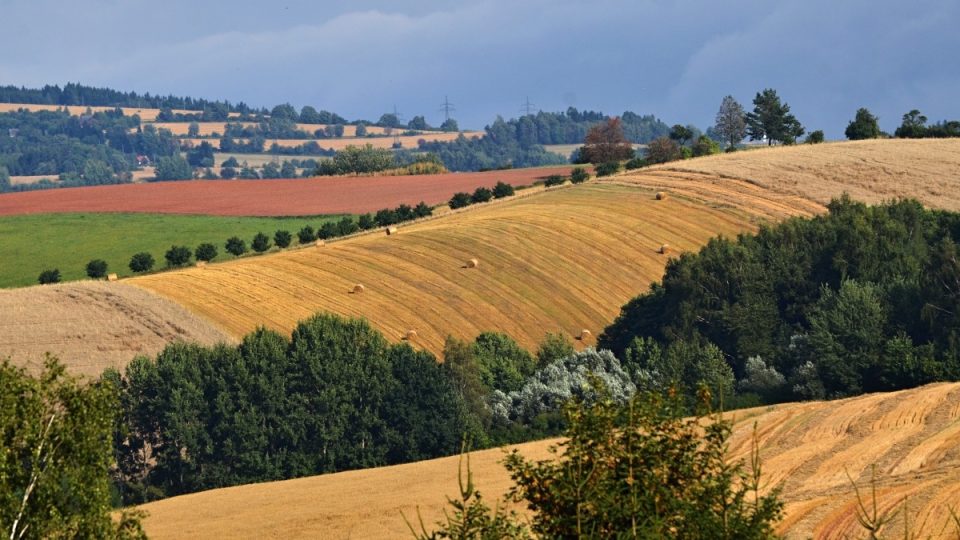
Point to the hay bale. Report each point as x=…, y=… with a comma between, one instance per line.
x=112, y=277
x=473, y=263
x=584, y=335
x=358, y=288
x=411, y=335
x=201, y=264
x=664, y=249
x=391, y=230
x=319, y=243
x=661, y=195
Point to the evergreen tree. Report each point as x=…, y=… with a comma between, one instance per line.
x=771, y=120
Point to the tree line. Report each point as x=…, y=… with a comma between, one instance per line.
x=861, y=299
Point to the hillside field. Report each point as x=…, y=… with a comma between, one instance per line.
x=291, y=197
x=562, y=260
x=68, y=241
x=93, y=325
x=912, y=436
x=871, y=171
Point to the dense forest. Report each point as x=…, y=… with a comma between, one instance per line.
x=94, y=147
x=502, y=146
x=89, y=96
x=861, y=299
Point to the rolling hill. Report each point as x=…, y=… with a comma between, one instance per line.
x=93, y=325
x=912, y=436
x=562, y=260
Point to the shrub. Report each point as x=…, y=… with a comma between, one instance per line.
x=553, y=180
x=235, y=246
x=282, y=238
x=502, y=189
x=385, y=217
x=553, y=347
x=705, y=146
x=346, y=226
x=178, y=255
x=635, y=163
x=607, y=169
x=579, y=175
x=141, y=262
x=306, y=235
x=422, y=210
x=685, y=152
x=97, y=269
x=366, y=222
x=459, y=200
x=815, y=137
x=662, y=150
x=49, y=276
x=205, y=252
x=481, y=195
x=260, y=243
x=328, y=230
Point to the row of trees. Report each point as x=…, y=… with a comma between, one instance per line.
x=333, y=396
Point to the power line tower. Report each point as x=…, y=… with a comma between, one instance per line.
x=527, y=108
x=446, y=108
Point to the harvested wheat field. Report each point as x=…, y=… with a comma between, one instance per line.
x=871, y=171
x=912, y=436
x=295, y=197
x=561, y=260
x=93, y=325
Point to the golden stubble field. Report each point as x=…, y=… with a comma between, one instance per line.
x=871, y=171
x=912, y=436
x=562, y=260
x=93, y=325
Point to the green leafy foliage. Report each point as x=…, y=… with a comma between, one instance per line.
x=638, y=470
x=49, y=276
x=554, y=180
x=97, y=269
x=863, y=126
x=141, y=262
x=459, y=200
x=173, y=168
x=815, y=137
x=662, y=150
x=608, y=168
x=771, y=119
x=502, y=189
x=306, y=235
x=54, y=467
x=579, y=175
x=206, y=252
x=260, y=243
x=481, y=195
x=334, y=396
x=178, y=256
x=235, y=246
x=282, y=239
x=862, y=299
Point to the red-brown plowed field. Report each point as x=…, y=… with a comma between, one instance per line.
x=300, y=197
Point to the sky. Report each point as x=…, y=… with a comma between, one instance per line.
x=674, y=59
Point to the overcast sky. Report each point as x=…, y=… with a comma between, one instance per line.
x=675, y=59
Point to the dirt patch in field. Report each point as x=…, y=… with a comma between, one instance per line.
x=300, y=197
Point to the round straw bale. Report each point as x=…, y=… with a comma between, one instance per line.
x=111, y=277
x=411, y=335
x=473, y=263
x=320, y=243
x=664, y=249
x=391, y=230
x=584, y=334
x=358, y=288
x=201, y=264
x=661, y=195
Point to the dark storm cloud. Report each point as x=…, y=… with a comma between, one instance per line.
x=673, y=59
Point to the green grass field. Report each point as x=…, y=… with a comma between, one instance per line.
x=33, y=243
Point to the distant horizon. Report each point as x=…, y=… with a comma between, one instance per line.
x=675, y=61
